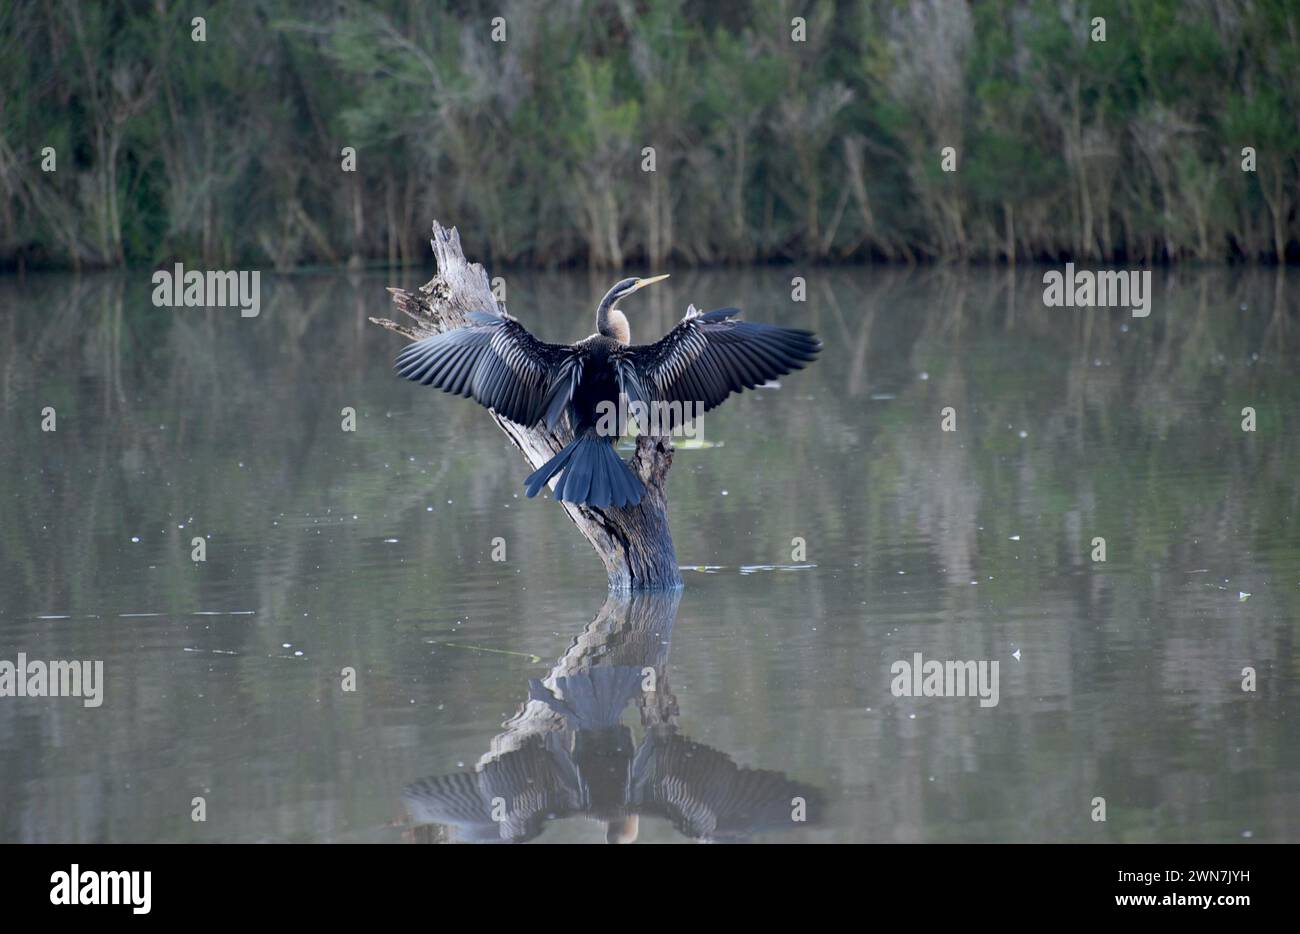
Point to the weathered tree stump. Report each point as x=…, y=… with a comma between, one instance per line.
x=633, y=543
x=630, y=630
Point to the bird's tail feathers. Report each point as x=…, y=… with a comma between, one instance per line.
x=594, y=474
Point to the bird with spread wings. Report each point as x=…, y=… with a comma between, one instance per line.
x=692, y=369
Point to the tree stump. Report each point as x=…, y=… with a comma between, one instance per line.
x=633, y=543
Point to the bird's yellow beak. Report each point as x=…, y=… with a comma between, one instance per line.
x=642, y=283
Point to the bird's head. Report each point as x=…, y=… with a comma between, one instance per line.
x=625, y=287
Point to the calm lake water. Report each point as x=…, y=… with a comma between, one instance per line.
x=373, y=550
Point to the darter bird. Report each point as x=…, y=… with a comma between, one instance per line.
x=693, y=368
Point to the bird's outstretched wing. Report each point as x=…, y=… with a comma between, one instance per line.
x=494, y=360
x=710, y=355
x=707, y=796
x=536, y=782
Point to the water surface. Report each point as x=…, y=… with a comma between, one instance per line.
x=372, y=550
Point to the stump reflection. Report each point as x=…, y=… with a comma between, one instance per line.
x=567, y=753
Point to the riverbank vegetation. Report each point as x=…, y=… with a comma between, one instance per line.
x=234, y=150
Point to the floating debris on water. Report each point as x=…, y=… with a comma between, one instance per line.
x=681, y=444
x=744, y=568
x=535, y=659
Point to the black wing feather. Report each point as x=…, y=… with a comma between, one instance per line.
x=709, y=356
x=706, y=795
x=492, y=359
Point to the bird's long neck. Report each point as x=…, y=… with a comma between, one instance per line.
x=610, y=322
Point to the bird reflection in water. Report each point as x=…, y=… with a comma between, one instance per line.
x=567, y=753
